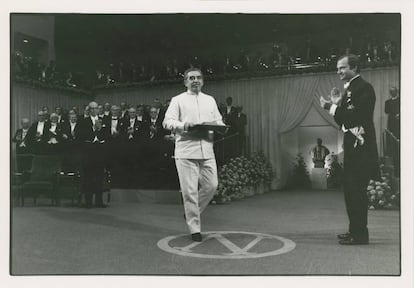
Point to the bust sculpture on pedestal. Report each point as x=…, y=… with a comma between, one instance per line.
x=319, y=153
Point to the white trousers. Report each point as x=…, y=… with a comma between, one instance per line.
x=198, y=181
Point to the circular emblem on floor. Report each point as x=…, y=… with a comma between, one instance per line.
x=227, y=245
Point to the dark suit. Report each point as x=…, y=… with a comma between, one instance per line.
x=230, y=144
x=134, y=150
x=18, y=139
x=392, y=108
x=23, y=161
x=114, y=148
x=38, y=142
x=360, y=161
x=240, y=123
x=155, y=150
x=57, y=135
x=71, y=147
x=93, y=164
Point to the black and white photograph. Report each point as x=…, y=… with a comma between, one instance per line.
x=206, y=144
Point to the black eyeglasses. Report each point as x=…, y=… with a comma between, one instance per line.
x=194, y=77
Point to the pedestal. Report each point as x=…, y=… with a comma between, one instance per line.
x=319, y=179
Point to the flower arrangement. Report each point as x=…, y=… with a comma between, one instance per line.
x=300, y=176
x=243, y=177
x=334, y=172
x=382, y=194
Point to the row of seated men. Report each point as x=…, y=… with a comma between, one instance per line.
x=135, y=147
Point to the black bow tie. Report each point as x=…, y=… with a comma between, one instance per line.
x=114, y=118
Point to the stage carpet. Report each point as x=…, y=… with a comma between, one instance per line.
x=124, y=239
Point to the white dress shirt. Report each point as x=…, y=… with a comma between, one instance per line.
x=40, y=126
x=72, y=128
x=24, y=133
x=187, y=107
x=114, y=124
x=94, y=119
x=53, y=127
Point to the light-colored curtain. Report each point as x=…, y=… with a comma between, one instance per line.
x=26, y=101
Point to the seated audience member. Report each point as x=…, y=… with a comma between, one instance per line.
x=38, y=133
x=22, y=147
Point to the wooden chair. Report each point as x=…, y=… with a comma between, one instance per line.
x=43, y=177
x=69, y=179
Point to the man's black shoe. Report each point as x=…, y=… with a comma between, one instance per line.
x=196, y=237
x=344, y=236
x=353, y=241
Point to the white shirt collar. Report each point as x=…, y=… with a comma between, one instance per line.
x=346, y=85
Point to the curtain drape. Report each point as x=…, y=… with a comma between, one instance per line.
x=26, y=101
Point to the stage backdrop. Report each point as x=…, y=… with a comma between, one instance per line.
x=275, y=106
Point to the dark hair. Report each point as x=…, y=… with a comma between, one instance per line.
x=353, y=61
x=191, y=70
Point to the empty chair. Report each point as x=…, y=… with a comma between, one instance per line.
x=42, y=178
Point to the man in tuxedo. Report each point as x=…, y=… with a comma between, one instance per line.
x=124, y=110
x=230, y=143
x=38, y=133
x=107, y=109
x=392, y=108
x=353, y=111
x=20, y=137
x=194, y=155
x=85, y=115
x=134, y=141
x=22, y=147
x=54, y=136
x=240, y=123
x=114, y=148
x=71, y=146
x=93, y=134
x=60, y=115
x=46, y=113
x=156, y=144
x=68, y=132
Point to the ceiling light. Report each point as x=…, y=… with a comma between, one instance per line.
x=25, y=41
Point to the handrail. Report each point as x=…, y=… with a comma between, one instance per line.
x=392, y=135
